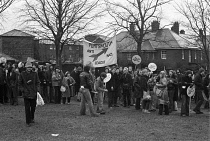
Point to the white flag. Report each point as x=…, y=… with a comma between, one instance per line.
x=100, y=55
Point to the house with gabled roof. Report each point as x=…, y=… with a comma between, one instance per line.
x=19, y=45
x=166, y=48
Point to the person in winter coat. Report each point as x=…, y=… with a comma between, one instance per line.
x=110, y=85
x=100, y=88
x=29, y=84
x=71, y=83
x=206, y=83
x=2, y=82
x=163, y=96
x=127, y=85
x=57, y=77
x=12, y=82
x=118, y=87
x=186, y=82
x=138, y=91
x=172, y=82
x=199, y=87
x=65, y=94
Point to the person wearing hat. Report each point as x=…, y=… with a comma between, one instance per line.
x=199, y=87
x=29, y=84
x=186, y=82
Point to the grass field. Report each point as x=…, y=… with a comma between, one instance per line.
x=118, y=124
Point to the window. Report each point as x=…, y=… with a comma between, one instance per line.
x=129, y=56
x=70, y=48
x=51, y=48
x=190, y=57
x=153, y=56
x=195, y=55
x=163, y=54
x=182, y=54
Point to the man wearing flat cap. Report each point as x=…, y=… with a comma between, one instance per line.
x=29, y=84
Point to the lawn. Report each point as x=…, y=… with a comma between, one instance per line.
x=118, y=124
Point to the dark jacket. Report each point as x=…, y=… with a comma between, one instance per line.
x=186, y=82
x=29, y=84
x=2, y=76
x=111, y=83
x=127, y=81
x=140, y=85
x=85, y=80
x=12, y=79
x=118, y=80
x=198, y=82
x=99, y=85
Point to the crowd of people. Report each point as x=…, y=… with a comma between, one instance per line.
x=140, y=88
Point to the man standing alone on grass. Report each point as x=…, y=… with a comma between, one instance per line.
x=29, y=84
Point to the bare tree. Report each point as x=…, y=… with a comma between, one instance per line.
x=139, y=13
x=59, y=20
x=197, y=13
x=4, y=4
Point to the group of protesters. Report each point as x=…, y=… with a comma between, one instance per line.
x=148, y=91
x=126, y=87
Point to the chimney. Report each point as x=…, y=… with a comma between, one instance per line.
x=182, y=31
x=132, y=28
x=175, y=28
x=155, y=26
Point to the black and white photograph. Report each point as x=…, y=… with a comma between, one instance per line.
x=104, y=70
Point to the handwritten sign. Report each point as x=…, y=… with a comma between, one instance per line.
x=136, y=59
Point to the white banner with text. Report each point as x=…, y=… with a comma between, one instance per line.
x=100, y=54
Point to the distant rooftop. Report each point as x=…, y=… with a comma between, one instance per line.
x=16, y=33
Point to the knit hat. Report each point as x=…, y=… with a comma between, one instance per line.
x=28, y=65
x=188, y=72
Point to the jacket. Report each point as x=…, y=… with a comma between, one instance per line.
x=29, y=84
x=186, y=82
x=140, y=85
x=12, y=79
x=85, y=80
x=56, y=78
x=127, y=81
x=198, y=82
x=111, y=83
x=2, y=76
x=99, y=85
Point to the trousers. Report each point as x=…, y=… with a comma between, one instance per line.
x=86, y=98
x=30, y=107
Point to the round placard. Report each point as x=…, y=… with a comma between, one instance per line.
x=191, y=91
x=136, y=59
x=108, y=77
x=152, y=66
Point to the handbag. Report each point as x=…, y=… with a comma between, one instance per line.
x=39, y=100
x=157, y=91
x=146, y=95
x=63, y=89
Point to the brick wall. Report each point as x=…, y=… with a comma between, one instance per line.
x=18, y=47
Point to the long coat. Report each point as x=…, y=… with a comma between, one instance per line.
x=140, y=85
x=66, y=85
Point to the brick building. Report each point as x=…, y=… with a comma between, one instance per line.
x=167, y=48
x=70, y=54
x=19, y=45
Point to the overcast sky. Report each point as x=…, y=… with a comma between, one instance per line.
x=11, y=16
